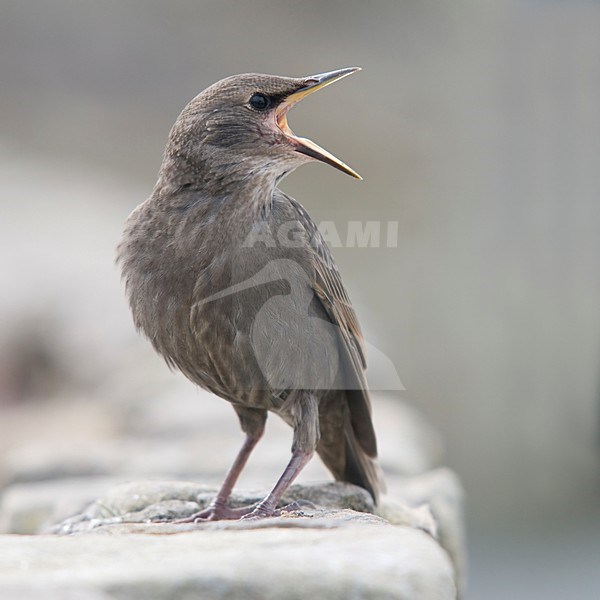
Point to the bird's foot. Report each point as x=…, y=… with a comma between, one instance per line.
x=295, y=508
x=218, y=512
x=259, y=510
x=263, y=510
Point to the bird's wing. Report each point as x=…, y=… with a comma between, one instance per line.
x=329, y=289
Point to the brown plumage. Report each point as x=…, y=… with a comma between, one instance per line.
x=232, y=283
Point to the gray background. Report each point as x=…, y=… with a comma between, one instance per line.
x=476, y=126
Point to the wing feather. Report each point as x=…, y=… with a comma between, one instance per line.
x=329, y=289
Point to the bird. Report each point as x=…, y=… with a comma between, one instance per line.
x=231, y=281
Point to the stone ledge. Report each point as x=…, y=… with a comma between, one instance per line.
x=148, y=508
x=148, y=503
x=354, y=561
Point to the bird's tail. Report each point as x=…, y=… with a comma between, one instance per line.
x=361, y=469
x=344, y=456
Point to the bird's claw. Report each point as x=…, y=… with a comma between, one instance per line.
x=259, y=510
x=255, y=515
x=262, y=512
x=295, y=507
x=217, y=512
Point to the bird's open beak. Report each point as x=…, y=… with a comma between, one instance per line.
x=303, y=145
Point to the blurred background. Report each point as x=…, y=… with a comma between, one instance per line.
x=476, y=126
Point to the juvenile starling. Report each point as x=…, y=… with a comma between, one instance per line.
x=232, y=283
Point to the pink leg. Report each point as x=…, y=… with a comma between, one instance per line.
x=266, y=508
x=218, y=509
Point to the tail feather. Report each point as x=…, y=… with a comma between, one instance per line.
x=343, y=454
x=360, y=468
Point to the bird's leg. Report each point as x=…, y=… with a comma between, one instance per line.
x=267, y=507
x=304, y=410
x=253, y=423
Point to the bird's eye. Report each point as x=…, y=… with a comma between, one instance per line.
x=260, y=102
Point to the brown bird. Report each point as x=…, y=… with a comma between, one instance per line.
x=232, y=283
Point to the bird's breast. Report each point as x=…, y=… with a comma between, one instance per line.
x=229, y=302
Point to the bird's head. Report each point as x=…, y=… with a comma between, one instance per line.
x=237, y=128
